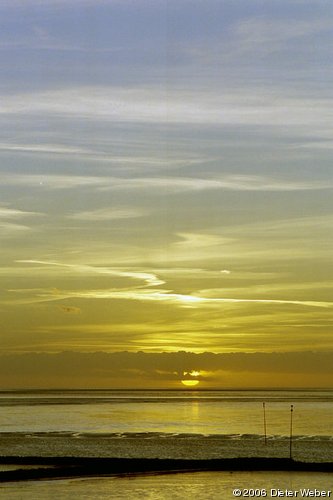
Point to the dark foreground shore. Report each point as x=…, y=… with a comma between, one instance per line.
x=69, y=467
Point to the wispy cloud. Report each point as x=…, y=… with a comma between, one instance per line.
x=200, y=240
x=145, y=292
x=12, y=213
x=166, y=184
x=270, y=287
x=325, y=145
x=101, y=153
x=229, y=182
x=263, y=33
x=9, y=229
x=150, y=105
x=44, y=148
x=52, y=181
x=153, y=295
x=263, y=242
x=148, y=279
x=109, y=213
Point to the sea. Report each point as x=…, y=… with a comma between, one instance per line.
x=169, y=424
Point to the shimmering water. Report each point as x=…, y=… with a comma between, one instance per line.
x=166, y=424
x=189, y=486
x=208, y=412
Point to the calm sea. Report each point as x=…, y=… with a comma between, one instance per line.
x=166, y=424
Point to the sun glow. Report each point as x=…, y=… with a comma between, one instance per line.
x=190, y=380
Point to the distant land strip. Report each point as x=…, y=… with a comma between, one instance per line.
x=71, y=467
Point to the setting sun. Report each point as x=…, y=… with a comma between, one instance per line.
x=190, y=383
x=189, y=378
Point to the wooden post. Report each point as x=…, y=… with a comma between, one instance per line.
x=265, y=430
x=291, y=431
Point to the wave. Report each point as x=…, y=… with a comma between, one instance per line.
x=162, y=435
x=164, y=445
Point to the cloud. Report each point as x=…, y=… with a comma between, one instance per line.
x=12, y=213
x=307, y=303
x=148, y=291
x=148, y=104
x=145, y=294
x=44, y=148
x=8, y=229
x=46, y=181
x=284, y=226
x=148, y=279
x=249, y=39
x=274, y=243
x=269, y=34
x=160, y=185
x=316, y=145
x=108, y=213
x=274, y=290
x=188, y=300
x=99, y=369
x=101, y=153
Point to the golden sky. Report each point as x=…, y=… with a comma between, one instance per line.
x=166, y=182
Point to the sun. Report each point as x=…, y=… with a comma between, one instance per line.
x=190, y=379
x=190, y=383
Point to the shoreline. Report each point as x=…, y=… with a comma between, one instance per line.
x=74, y=467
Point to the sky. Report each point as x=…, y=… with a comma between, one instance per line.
x=165, y=188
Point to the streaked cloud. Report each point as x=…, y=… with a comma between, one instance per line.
x=148, y=279
x=166, y=184
x=43, y=148
x=9, y=229
x=108, y=213
x=268, y=34
x=145, y=292
x=13, y=213
x=52, y=181
x=149, y=105
x=101, y=153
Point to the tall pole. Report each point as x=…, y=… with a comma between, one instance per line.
x=265, y=430
x=291, y=431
